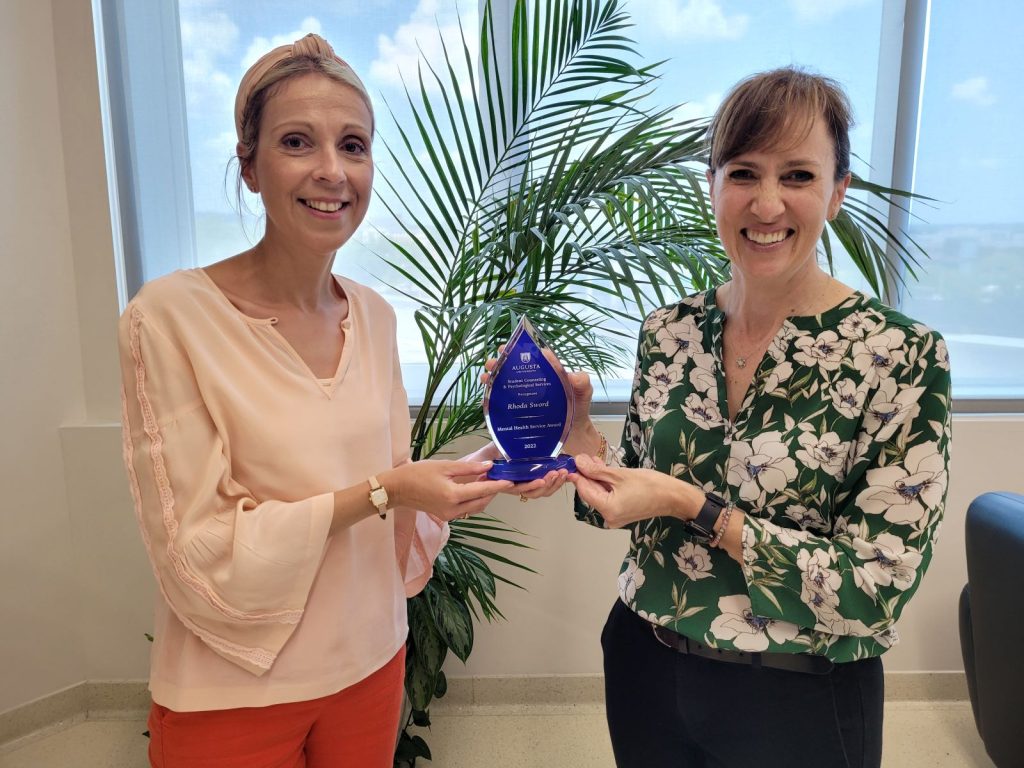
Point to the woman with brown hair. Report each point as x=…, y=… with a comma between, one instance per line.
x=783, y=471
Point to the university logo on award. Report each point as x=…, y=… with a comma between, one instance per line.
x=528, y=407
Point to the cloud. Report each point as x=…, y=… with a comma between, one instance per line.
x=695, y=20
x=816, y=10
x=420, y=37
x=975, y=90
x=703, y=108
x=261, y=45
x=206, y=39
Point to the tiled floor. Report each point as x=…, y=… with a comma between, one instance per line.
x=917, y=735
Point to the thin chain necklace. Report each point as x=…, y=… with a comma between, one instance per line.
x=741, y=360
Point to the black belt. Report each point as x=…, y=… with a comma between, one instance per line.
x=792, y=662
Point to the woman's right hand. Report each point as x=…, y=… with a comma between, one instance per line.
x=445, y=489
x=583, y=437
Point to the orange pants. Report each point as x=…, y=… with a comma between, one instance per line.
x=354, y=728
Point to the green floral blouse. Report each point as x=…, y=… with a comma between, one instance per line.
x=838, y=456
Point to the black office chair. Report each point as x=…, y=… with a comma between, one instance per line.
x=992, y=623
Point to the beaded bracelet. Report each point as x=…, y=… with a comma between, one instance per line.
x=725, y=524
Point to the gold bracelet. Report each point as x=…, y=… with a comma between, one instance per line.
x=602, y=449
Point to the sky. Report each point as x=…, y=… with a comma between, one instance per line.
x=968, y=112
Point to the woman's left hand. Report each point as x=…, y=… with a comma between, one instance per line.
x=623, y=496
x=535, y=489
x=541, y=487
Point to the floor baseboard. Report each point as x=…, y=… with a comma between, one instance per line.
x=89, y=700
x=129, y=699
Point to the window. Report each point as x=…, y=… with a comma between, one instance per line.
x=969, y=149
x=174, y=66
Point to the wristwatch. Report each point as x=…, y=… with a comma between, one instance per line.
x=378, y=497
x=704, y=523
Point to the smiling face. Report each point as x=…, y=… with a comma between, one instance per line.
x=771, y=205
x=312, y=165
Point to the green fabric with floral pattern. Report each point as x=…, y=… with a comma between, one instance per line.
x=838, y=456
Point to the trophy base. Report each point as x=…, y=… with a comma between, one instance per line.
x=525, y=470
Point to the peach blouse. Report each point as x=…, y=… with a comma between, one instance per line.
x=234, y=449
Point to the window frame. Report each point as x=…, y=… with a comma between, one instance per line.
x=158, y=219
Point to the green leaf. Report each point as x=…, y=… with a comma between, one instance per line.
x=451, y=617
x=409, y=748
x=421, y=718
x=428, y=646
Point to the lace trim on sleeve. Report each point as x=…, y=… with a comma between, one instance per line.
x=166, y=495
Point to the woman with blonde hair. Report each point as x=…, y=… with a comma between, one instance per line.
x=266, y=435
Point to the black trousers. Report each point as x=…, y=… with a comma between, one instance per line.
x=672, y=710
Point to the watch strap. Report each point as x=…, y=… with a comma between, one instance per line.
x=704, y=523
x=378, y=496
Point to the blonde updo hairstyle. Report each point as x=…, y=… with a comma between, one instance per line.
x=309, y=55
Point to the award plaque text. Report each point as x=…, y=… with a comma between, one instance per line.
x=528, y=406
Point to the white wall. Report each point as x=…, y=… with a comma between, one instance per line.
x=56, y=340
x=75, y=589
x=42, y=369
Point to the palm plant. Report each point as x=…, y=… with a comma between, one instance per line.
x=548, y=189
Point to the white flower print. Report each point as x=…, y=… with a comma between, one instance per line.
x=826, y=350
x=857, y=325
x=762, y=463
x=887, y=638
x=830, y=621
x=888, y=560
x=942, y=354
x=650, y=406
x=807, y=519
x=702, y=411
x=787, y=537
x=702, y=374
x=827, y=452
x=657, y=317
x=694, y=561
x=877, y=355
x=848, y=398
x=780, y=343
x=779, y=374
x=903, y=493
x=890, y=406
x=818, y=582
x=859, y=451
x=664, y=376
x=662, y=621
x=737, y=622
x=865, y=582
x=679, y=340
x=630, y=580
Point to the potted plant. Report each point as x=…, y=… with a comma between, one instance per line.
x=548, y=189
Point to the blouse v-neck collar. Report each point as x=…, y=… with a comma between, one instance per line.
x=324, y=385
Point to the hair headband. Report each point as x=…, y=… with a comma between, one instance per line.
x=311, y=45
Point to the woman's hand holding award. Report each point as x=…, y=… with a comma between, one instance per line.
x=528, y=407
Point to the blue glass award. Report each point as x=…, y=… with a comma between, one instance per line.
x=528, y=406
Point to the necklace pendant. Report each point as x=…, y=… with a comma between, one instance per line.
x=741, y=362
